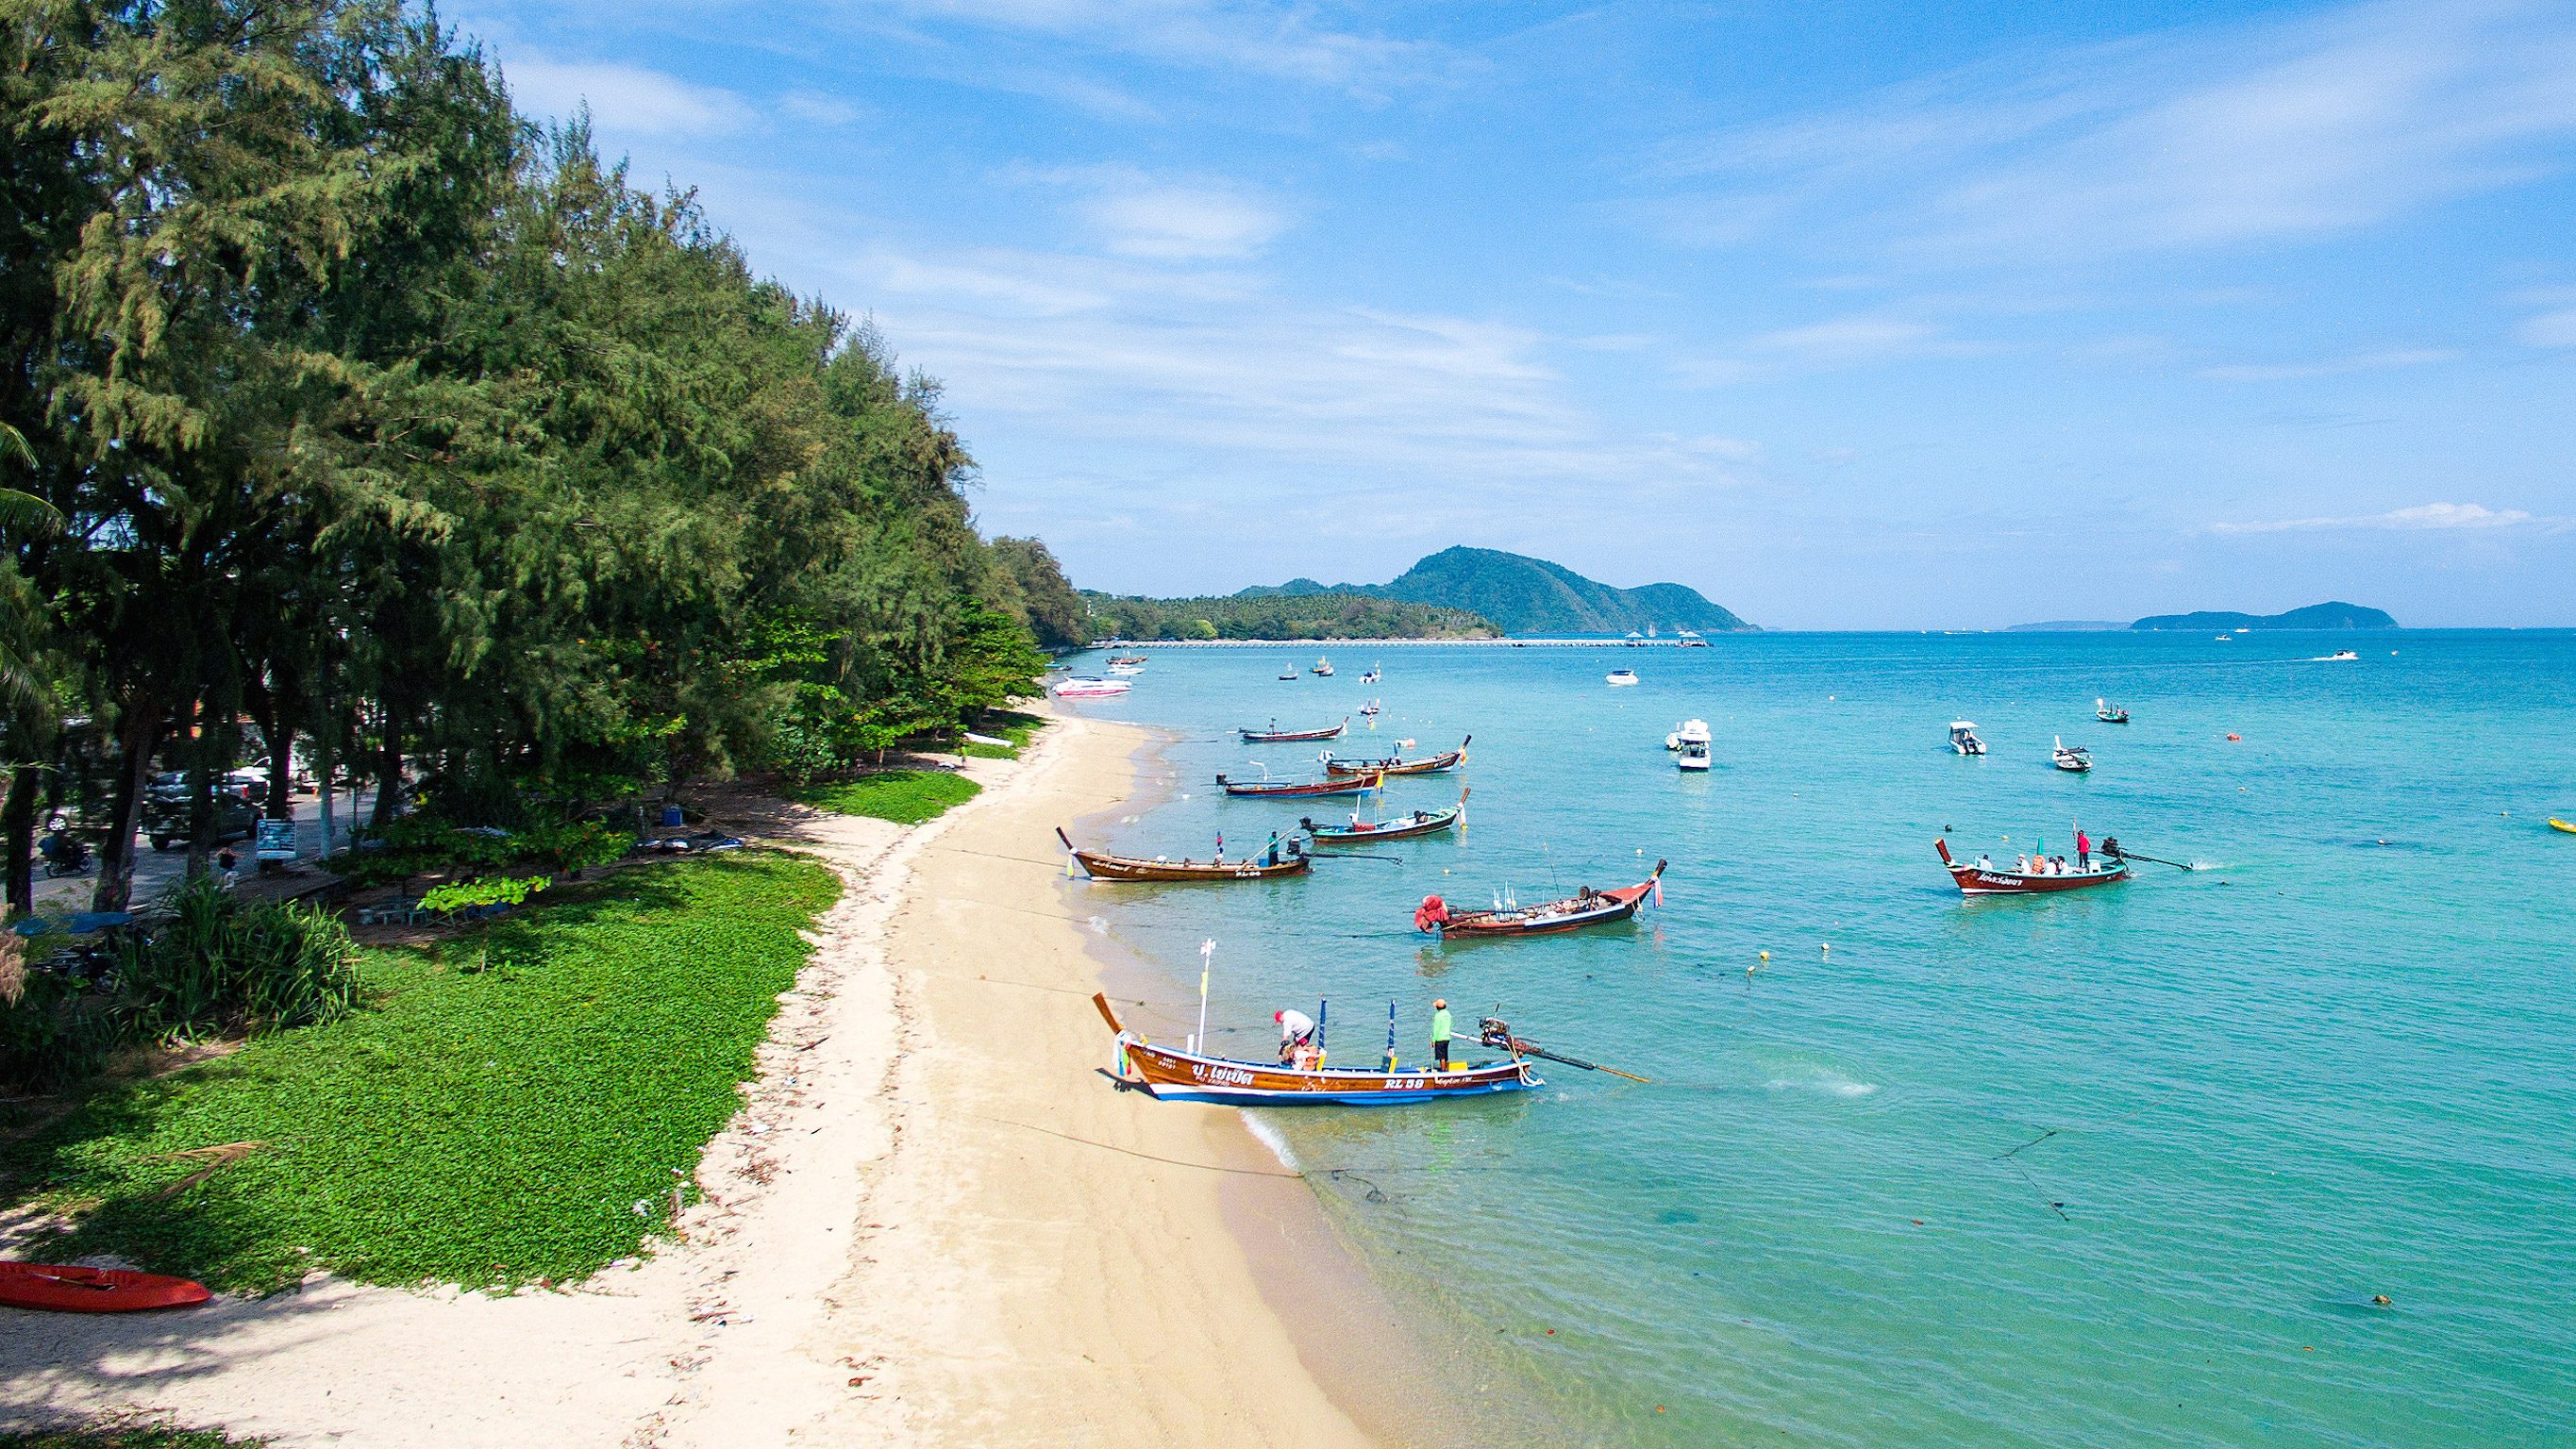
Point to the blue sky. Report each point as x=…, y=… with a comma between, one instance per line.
x=1848, y=315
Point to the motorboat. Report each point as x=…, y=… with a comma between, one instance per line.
x=2069, y=757
x=2341, y=654
x=1685, y=732
x=1985, y=878
x=1372, y=676
x=2226, y=638
x=1963, y=737
x=1691, y=640
x=1324, y=667
x=1621, y=676
x=2109, y=713
x=1084, y=686
x=1369, y=708
x=1693, y=755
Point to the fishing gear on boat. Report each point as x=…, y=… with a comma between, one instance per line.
x=1493, y=1031
x=2113, y=849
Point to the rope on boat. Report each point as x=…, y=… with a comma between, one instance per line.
x=1132, y=1152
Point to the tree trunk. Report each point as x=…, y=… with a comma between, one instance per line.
x=326, y=756
x=201, y=792
x=269, y=708
x=389, y=771
x=139, y=735
x=19, y=821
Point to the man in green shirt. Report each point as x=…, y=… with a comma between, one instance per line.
x=1440, y=1035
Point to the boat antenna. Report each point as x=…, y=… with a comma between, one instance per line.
x=1390, y=1033
x=1207, y=960
x=1553, y=883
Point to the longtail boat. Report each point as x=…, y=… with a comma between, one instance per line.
x=1590, y=908
x=1174, y=1075
x=1346, y=785
x=1359, y=832
x=1101, y=865
x=1397, y=765
x=1987, y=879
x=1277, y=736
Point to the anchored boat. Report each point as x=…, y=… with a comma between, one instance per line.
x=1620, y=676
x=1277, y=736
x=2109, y=713
x=2069, y=757
x=1101, y=865
x=1324, y=667
x=1398, y=765
x=1358, y=832
x=1589, y=908
x=1175, y=1075
x=1963, y=738
x=1088, y=687
x=1347, y=785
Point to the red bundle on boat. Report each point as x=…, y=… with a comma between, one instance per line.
x=1432, y=912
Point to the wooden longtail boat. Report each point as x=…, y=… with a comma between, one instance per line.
x=1277, y=736
x=1591, y=908
x=2109, y=713
x=1396, y=765
x=1348, y=785
x=1988, y=880
x=1103, y=866
x=1173, y=1075
x=1420, y=822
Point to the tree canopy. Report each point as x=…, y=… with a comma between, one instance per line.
x=359, y=407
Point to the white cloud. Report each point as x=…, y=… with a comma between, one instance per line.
x=1844, y=341
x=2430, y=515
x=2335, y=367
x=624, y=99
x=1274, y=40
x=2212, y=137
x=1168, y=219
x=2549, y=329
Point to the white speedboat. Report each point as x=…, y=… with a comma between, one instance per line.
x=1693, y=755
x=2069, y=757
x=2340, y=654
x=1686, y=732
x=1088, y=687
x=1621, y=676
x=1963, y=737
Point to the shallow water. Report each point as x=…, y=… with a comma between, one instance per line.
x=2120, y=1167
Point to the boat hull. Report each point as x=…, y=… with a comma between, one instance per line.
x=1433, y=765
x=1128, y=868
x=1601, y=908
x=1352, y=785
x=1180, y=1076
x=1290, y=737
x=2557, y=824
x=1435, y=822
x=1975, y=882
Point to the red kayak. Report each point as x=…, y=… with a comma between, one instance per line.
x=68, y=1289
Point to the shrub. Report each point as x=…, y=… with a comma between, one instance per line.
x=482, y=891
x=216, y=964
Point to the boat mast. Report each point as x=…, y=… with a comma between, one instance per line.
x=1207, y=958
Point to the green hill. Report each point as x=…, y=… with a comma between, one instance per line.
x=2314, y=616
x=1317, y=613
x=1529, y=596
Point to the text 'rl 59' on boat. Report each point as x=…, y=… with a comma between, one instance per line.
x=2031, y=876
x=1101, y=865
x=1396, y=764
x=1277, y=736
x=1587, y=907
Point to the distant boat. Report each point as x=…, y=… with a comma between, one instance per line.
x=2070, y=757
x=2339, y=654
x=1369, y=708
x=1963, y=737
x=1127, y=659
x=2226, y=638
x=1372, y=676
x=1126, y=669
x=1685, y=732
x=1691, y=639
x=1324, y=667
x=2557, y=824
x=1277, y=736
x=1087, y=687
x=1621, y=676
x=2109, y=713
x=1290, y=673
x=1693, y=755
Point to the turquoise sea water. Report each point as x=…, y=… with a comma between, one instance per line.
x=2122, y=1167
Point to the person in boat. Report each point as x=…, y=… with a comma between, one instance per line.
x=1274, y=847
x=1296, y=1036
x=1985, y=862
x=1440, y=1033
x=2083, y=852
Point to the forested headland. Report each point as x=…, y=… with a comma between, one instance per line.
x=1280, y=616
x=352, y=413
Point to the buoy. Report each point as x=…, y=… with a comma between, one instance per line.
x=2380, y=1298
x=2236, y=737
x=1766, y=955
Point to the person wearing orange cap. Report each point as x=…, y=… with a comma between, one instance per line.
x=1440, y=1034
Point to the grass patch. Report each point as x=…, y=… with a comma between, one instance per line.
x=126, y=1438
x=1011, y=725
x=906, y=797
x=494, y=1119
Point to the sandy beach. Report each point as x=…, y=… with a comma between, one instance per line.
x=935, y=1221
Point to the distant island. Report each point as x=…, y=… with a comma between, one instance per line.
x=2314, y=616
x=1532, y=596
x=2068, y=626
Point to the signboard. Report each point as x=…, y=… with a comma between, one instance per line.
x=276, y=840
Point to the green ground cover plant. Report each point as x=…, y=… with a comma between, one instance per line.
x=516, y=1105
x=906, y=797
x=127, y=1438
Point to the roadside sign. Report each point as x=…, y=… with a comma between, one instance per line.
x=276, y=840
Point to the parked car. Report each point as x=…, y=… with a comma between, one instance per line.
x=165, y=811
